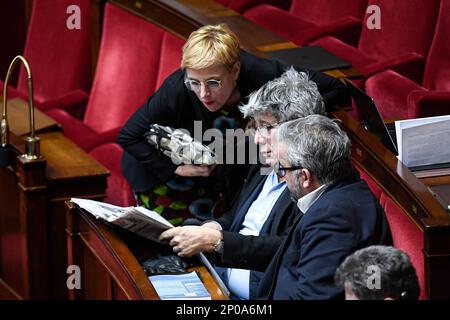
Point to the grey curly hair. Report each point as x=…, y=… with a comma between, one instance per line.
x=293, y=95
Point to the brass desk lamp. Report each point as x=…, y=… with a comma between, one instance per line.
x=32, y=142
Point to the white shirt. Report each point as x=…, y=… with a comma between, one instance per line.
x=305, y=202
x=257, y=214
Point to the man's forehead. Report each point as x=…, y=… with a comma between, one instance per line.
x=266, y=117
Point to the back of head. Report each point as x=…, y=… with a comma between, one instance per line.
x=318, y=144
x=209, y=45
x=379, y=272
x=291, y=96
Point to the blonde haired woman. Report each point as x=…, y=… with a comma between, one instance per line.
x=214, y=78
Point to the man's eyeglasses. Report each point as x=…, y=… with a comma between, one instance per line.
x=265, y=129
x=281, y=171
x=196, y=86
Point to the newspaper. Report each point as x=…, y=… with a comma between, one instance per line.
x=139, y=220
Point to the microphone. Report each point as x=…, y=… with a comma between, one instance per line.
x=32, y=142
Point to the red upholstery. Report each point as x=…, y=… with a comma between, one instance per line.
x=374, y=187
x=129, y=70
x=308, y=20
x=135, y=57
x=391, y=102
x=392, y=46
x=399, y=97
x=243, y=5
x=59, y=58
x=12, y=91
x=437, y=73
x=118, y=191
x=406, y=235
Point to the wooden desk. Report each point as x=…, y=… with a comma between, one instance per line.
x=439, y=187
x=413, y=196
x=109, y=261
x=18, y=118
x=185, y=16
x=33, y=253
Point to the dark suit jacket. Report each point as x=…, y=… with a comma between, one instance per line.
x=175, y=106
x=251, y=252
x=346, y=217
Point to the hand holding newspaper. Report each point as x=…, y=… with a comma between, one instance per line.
x=141, y=221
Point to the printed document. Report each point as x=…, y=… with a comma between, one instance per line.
x=423, y=141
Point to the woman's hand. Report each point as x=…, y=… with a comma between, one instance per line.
x=192, y=170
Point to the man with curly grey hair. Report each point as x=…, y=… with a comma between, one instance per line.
x=291, y=96
x=378, y=273
x=339, y=214
x=246, y=237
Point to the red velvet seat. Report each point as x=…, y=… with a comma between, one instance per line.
x=135, y=57
x=308, y=20
x=243, y=5
x=406, y=235
x=399, y=97
x=118, y=192
x=402, y=43
x=59, y=58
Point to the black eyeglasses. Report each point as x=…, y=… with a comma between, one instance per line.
x=281, y=171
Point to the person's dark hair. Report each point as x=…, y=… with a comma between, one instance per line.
x=397, y=276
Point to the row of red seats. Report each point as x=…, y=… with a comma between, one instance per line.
x=405, y=234
x=134, y=59
x=376, y=51
x=406, y=61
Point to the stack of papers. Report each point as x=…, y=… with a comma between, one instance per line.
x=424, y=141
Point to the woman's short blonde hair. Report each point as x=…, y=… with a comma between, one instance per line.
x=209, y=45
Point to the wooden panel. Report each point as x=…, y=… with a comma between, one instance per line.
x=32, y=216
x=67, y=160
x=100, y=248
x=442, y=195
x=206, y=12
x=253, y=37
x=18, y=118
x=6, y=293
x=12, y=243
x=23, y=227
x=97, y=282
x=158, y=14
x=185, y=16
